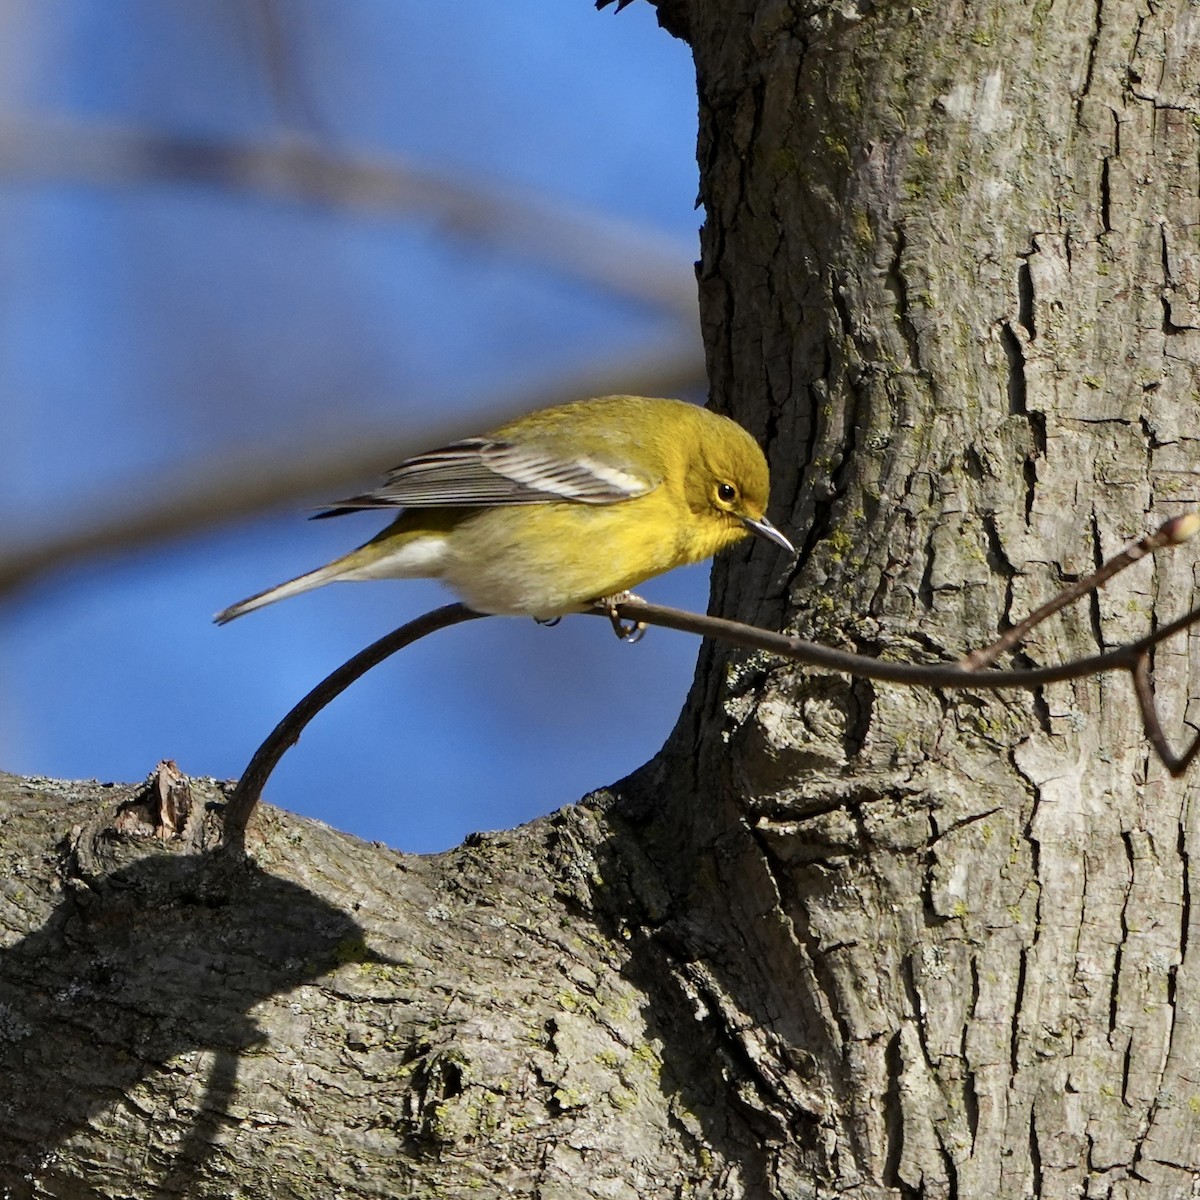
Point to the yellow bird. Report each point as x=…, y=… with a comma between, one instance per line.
x=560, y=508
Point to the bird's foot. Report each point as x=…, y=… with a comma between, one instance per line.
x=627, y=631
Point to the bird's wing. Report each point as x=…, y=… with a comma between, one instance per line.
x=484, y=471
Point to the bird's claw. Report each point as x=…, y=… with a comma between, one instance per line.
x=628, y=631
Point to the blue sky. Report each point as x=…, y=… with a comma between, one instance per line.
x=153, y=328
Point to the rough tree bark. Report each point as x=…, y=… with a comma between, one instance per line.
x=837, y=939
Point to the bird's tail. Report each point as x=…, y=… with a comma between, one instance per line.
x=293, y=587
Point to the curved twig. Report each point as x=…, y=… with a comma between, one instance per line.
x=750, y=637
x=1170, y=533
x=245, y=795
x=1143, y=689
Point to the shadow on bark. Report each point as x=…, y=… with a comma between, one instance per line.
x=662, y=897
x=161, y=958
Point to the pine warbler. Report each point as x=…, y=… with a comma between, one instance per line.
x=560, y=508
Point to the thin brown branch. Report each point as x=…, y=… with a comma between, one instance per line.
x=1169, y=533
x=1130, y=658
x=1143, y=689
x=245, y=795
x=620, y=258
x=189, y=500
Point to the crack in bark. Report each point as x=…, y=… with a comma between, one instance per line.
x=893, y=1113
x=1185, y=898
x=962, y=823
x=1015, y=356
x=925, y=590
x=970, y=1090
x=912, y=994
x=1105, y=196
x=1014, y=1045
x=842, y=309
x=1169, y=326
x=861, y=711
x=1035, y=1153
x=1029, y=472
x=1089, y=72
x=1119, y=953
x=1126, y=1065
x=897, y=286
x=818, y=391
x=1095, y=617
x=929, y=910
x=1025, y=316
x=949, y=1163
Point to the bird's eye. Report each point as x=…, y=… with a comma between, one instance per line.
x=726, y=492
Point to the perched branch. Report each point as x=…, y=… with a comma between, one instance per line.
x=1134, y=658
x=947, y=676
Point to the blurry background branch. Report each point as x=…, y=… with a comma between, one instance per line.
x=594, y=249
x=326, y=463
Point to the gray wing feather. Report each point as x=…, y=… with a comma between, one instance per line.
x=480, y=471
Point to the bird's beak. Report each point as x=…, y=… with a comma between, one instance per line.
x=765, y=529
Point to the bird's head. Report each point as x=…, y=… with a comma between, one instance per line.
x=730, y=482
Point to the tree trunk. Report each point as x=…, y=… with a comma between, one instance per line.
x=951, y=262
x=839, y=939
